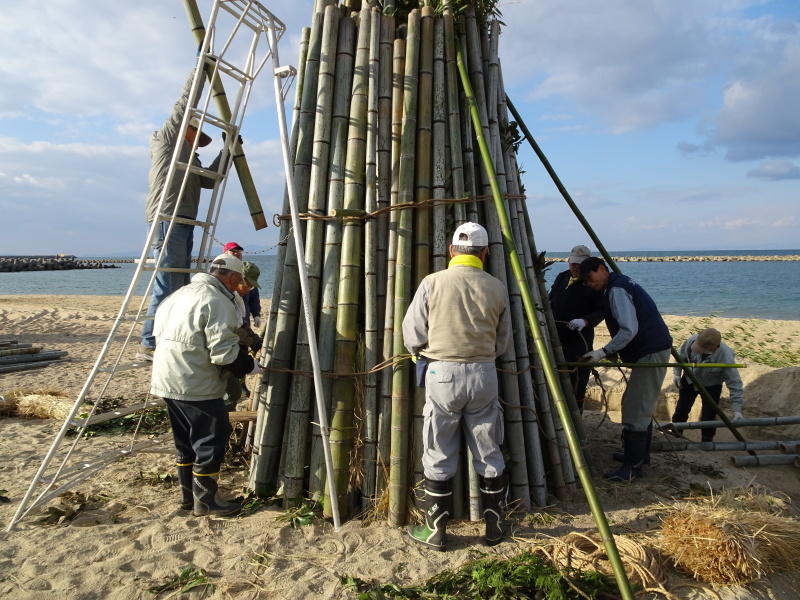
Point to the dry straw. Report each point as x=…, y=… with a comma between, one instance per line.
x=732, y=538
x=44, y=406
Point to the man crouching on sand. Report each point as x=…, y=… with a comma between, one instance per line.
x=197, y=349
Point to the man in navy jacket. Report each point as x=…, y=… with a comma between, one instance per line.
x=638, y=335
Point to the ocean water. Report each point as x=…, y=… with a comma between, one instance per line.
x=765, y=290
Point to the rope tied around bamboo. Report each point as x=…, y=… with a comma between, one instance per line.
x=343, y=215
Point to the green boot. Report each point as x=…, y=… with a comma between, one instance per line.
x=492, y=494
x=438, y=504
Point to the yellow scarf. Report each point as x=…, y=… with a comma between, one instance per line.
x=572, y=280
x=466, y=260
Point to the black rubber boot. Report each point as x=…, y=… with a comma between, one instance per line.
x=438, y=504
x=184, y=465
x=206, y=499
x=635, y=448
x=620, y=456
x=493, y=491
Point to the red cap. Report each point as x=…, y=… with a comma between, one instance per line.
x=231, y=246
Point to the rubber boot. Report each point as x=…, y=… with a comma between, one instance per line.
x=635, y=447
x=493, y=491
x=206, y=498
x=438, y=504
x=620, y=456
x=184, y=465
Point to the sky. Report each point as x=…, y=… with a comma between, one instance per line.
x=673, y=125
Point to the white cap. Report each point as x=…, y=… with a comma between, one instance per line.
x=230, y=262
x=579, y=254
x=471, y=234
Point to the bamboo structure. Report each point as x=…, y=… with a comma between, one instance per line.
x=405, y=138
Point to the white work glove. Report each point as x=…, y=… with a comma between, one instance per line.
x=257, y=321
x=256, y=369
x=676, y=379
x=737, y=416
x=594, y=355
x=578, y=324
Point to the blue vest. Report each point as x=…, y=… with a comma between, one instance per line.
x=653, y=334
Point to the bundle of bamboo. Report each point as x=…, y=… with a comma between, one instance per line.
x=388, y=112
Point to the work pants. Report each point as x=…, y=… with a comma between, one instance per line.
x=641, y=395
x=176, y=253
x=201, y=429
x=687, y=394
x=456, y=395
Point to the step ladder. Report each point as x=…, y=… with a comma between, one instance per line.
x=245, y=29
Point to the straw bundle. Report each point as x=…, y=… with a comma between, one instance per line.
x=582, y=552
x=45, y=406
x=724, y=545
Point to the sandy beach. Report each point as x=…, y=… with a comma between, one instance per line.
x=129, y=535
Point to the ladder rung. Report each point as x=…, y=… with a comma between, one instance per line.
x=200, y=171
x=113, y=414
x=184, y=220
x=205, y=117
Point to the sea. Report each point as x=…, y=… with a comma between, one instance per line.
x=751, y=289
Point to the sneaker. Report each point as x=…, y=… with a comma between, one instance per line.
x=144, y=354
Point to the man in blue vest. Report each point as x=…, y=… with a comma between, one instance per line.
x=638, y=335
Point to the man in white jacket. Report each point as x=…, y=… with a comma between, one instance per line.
x=707, y=347
x=197, y=350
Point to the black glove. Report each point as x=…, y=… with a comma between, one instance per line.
x=225, y=137
x=243, y=364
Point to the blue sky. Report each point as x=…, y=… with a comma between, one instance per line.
x=674, y=125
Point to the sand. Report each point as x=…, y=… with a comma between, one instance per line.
x=130, y=536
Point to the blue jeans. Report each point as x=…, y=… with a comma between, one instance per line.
x=177, y=253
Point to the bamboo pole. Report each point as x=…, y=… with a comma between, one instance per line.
x=440, y=244
x=454, y=115
x=370, y=423
x=591, y=495
x=267, y=447
x=387, y=375
x=764, y=460
x=754, y=422
x=345, y=57
x=224, y=110
x=507, y=363
x=628, y=365
x=301, y=389
x=398, y=469
x=422, y=216
x=350, y=272
x=678, y=445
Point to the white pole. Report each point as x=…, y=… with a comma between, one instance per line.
x=301, y=267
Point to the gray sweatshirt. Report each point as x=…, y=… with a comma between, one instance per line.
x=717, y=375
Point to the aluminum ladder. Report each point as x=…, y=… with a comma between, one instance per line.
x=241, y=27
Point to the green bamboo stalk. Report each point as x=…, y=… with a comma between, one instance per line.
x=384, y=427
x=591, y=495
x=440, y=244
x=422, y=228
x=267, y=447
x=507, y=362
x=345, y=56
x=302, y=391
x=398, y=471
x=350, y=275
x=384, y=160
x=471, y=183
x=456, y=169
x=370, y=424
x=224, y=110
x=283, y=236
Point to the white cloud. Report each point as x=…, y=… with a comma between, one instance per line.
x=785, y=222
x=775, y=170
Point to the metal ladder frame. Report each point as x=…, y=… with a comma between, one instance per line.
x=249, y=15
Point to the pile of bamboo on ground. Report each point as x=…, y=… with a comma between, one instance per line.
x=386, y=167
x=15, y=356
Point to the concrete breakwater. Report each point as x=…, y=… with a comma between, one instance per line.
x=17, y=264
x=742, y=258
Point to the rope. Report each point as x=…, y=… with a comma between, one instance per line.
x=282, y=241
x=276, y=219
